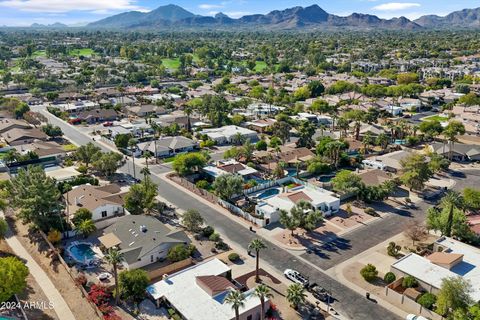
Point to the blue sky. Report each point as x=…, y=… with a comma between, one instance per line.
x=26, y=12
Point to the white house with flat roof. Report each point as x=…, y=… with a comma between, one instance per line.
x=321, y=199
x=226, y=134
x=451, y=258
x=229, y=167
x=199, y=293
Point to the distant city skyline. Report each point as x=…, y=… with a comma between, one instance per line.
x=74, y=12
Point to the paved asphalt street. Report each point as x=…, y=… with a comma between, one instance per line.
x=348, y=302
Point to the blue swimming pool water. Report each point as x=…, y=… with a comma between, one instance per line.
x=325, y=178
x=82, y=252
x=292, y=172
x=268, y=193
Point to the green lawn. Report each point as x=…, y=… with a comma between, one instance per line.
x=39, y=53
x=69, y=147
x=435, y=117
x=168, y=159
x=172, y=64
x=86, y=52
x=260, y=66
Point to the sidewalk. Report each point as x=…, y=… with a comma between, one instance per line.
x=250, y=262
x=60, y=306
x=337, y=273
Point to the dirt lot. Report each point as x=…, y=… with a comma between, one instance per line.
x=33, y=293
x=57, y=274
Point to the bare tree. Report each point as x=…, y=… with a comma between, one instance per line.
x=416, y=231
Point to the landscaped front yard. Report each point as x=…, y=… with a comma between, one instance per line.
x=435, y=118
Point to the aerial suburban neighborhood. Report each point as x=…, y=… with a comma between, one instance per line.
x=184, y=163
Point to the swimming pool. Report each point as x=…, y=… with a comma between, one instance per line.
x=82, y=252
x=326, y=178
x=291, y=172
x=268, y=193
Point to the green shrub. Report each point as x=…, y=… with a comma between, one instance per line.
x=220, y=245
x=409, y=282
x=202, y=184
x=214, y=237
x=208, y=231
x=370, y=211
x=233, y=256
x=393, y=249
x=389, y=277
x=427, y=300
x=369, y=272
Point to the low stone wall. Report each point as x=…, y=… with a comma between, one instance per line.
x=216, y=200
x=169, y=269
x=64, y=264
x=408, y=304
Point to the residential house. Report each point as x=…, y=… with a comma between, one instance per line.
x=261, y=125
x=147, y=110
x=230, y=167
x=459, y=151
x=290, y=155
x=97, y=115
x=450, y=258
x=228, y=134
x=269, y=206
x=141, y=239
x=102, y=201
x=391, y=161
x=199, y=293
x=15, y=137
x=168, y=146
x=9, y=124
x=374, y=177
x=43, y=149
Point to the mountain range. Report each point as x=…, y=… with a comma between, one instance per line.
x=172, y=17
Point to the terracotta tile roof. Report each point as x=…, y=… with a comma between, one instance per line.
x=444, y=258
x=232, y=168
x=296, y=197
x=374, y=177
x=214, y=285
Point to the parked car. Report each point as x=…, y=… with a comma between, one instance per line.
x=296, y=277
x=108, y=124
x=414, y=317
x=320, y=293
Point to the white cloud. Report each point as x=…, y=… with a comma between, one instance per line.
x=70, y=5
x=237, y=14
x=396, y=6
x=207, y=6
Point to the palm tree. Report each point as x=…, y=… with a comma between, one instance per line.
x=452, y=200
x=451, y=131
x=147, y=157
x=382, y=140
x=296, y=295
x=367, y=141
x=188, y=112
x=86, y=227
x=257, y=245
x=236, y=299
x=132, y=143
x=114, y=257
x=146, y=172
x=263, y=293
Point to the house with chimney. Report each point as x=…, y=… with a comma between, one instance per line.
x=209, y=283
x=143, y=240
x=450, y=258
x=102, y=201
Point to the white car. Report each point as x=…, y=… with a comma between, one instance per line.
x=104, y=276
x=414, y=317
x=296, y=277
